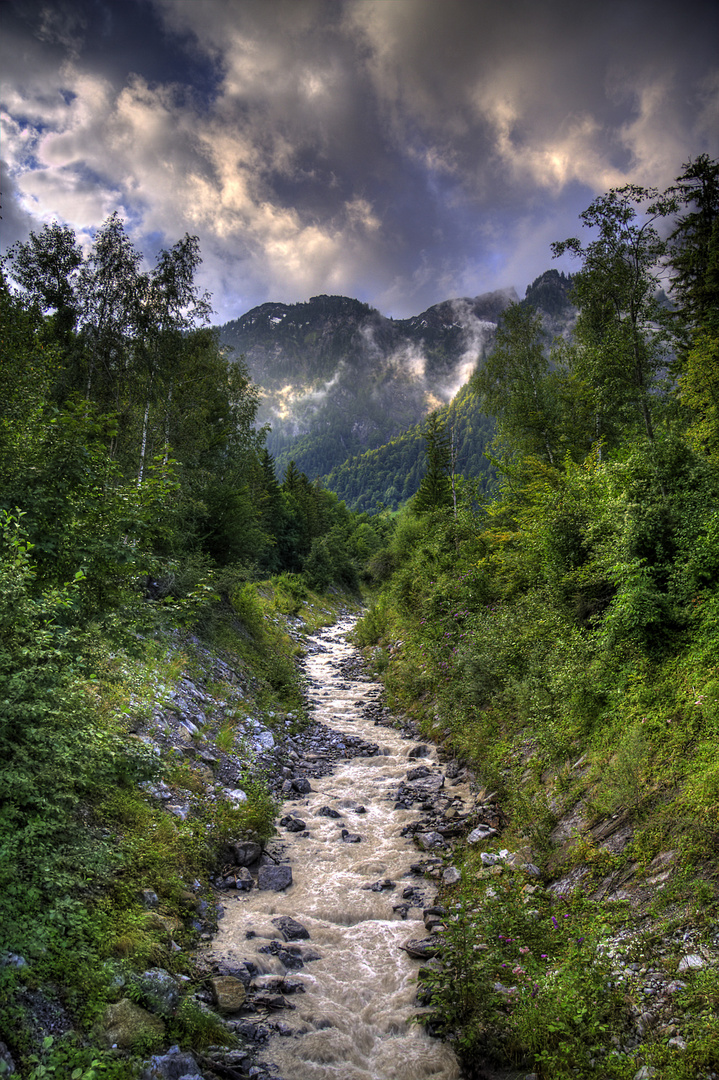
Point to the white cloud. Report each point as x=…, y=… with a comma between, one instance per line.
x=399, y=150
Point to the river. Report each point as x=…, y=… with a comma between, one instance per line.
x=354, y=1020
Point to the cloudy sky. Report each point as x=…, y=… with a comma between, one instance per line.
x=399, y=151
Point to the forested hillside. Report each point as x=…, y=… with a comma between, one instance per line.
x=563, y=640
x=389, y=476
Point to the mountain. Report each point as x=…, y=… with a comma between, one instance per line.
x=339, y=379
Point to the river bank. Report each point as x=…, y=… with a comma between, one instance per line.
x=376, y=819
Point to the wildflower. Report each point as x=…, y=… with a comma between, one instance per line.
x=556, y=924
x=523, y=949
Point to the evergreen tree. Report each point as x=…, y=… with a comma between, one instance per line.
x=435, y=490
x=694, y=244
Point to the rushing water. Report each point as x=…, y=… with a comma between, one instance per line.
x=354, y=1020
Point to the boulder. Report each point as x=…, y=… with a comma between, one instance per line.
x=422, y=948
x=274, y=878
x=176, y=1064
x=160, y=992
x=246, y=852
x=429, y=840
x=293, y=824
x=291, y=929
x=125, y=1024
x=228, y=992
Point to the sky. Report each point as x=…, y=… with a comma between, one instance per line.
x=403, y=152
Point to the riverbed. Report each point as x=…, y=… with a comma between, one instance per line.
x=358, y=890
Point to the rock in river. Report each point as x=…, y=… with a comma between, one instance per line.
x=274, y=878
x=290, y=928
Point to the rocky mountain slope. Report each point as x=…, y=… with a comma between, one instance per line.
x=339, y=378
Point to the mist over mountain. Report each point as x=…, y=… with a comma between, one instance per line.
x=338, y=378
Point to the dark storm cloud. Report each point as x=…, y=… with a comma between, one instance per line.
x=402, y=151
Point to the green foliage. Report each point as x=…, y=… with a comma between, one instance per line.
x=561, y=638
x=527, y=984
x=391, y=474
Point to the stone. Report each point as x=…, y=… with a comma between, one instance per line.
x=243, y=879
x=422, y=948
x=228, y=992
x=6, y=1059
x=691, y=962
x=418, y=773
x=238, y=970
x=418, y=751
x=160, y=992
x=293, y=824
x=482, y=832
x=430, y=784
x=124, y=1024
x=451, y=875
x=264, y=740
x=489, y=859
x=351, y=838
x=379, y=886
x=176, y=1064
x=246, y=852
x=150, y=899
x=645, y=1073
x=274, y=878
x=429, y=840
x=301, y=785
x=677, y=1043
x=236, y=796
x=327, y=811
x=291, y=929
